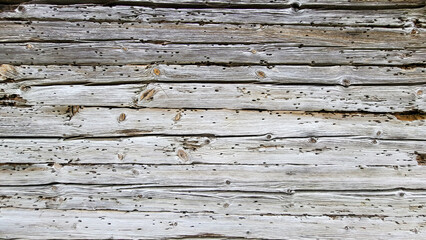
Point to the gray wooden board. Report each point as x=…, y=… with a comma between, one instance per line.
x=217, y=119
x=288, y=16
x=228, y=96
x=341, y=151
x=246, y=3
x=31, y=75
x=212, y=33
x=43, y=121
x=136, y=52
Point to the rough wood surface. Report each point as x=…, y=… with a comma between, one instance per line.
x=84, y=122
x=345, y=4
x=31, y=75
x=135, y=52
x=228, y=96
x=76, y=224
x=215, y=119
x=400, y=203
x=212, y=33
x=358, y=18
x=341, y=151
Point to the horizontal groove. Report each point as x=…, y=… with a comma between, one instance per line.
x=212, y=42
x=333, y=216
x=197, y=163
x=105, y=138
x=92, y=20
x=254, y=82
x=197, y=189
x=228, y=64
x=294, y=5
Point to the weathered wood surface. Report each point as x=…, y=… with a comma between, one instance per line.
x=246, y=3
x=84, y=122
x=340, y=151
x=31, y=75
x=51, y=31
x=213, y=119
x=400, y=203
x=136, y=52
x=228, y=96
x=151, y=225
x=219, y=177
x=314, y=17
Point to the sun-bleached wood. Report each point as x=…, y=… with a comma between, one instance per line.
x=345, y=4
x=147, y=119
x=227, y=96
x=84, y=122
x=76, y=224
x=51, y=31
x=321, y=17
x=131, y=52
x=29, y=75
x=138, y=198
x=340, y=151
x=270, y=178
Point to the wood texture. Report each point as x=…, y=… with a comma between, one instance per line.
x=131, y=52
x=75, y=224
x=215, y=119
x=246, y=3
x=227, y=96
x=136, y=198
x=212, y=33
x=31, y=75
x=316, y=17
x=74, y=122
x=340, y=151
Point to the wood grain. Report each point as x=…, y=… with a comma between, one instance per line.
x=284, y=16
x=224, y=96
x=247, y=3
x=216, y=119
x=136, y=198
x=339, y=151
x=39, y=75
x=74, y=224
x=128, y=52
x=270, y=178
x=72, y=122
x=212, y=33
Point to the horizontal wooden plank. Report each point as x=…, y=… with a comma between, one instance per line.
x=212, y=150
x=218, y=96
x=104, y=122
x=246, y=3
x=125, y=52
x=75, y=224
x=267, y=178
x=29, y=75
x=120, y=13
x=398, y=203
x=52, y=31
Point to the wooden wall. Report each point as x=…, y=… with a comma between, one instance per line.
x=213, y=119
